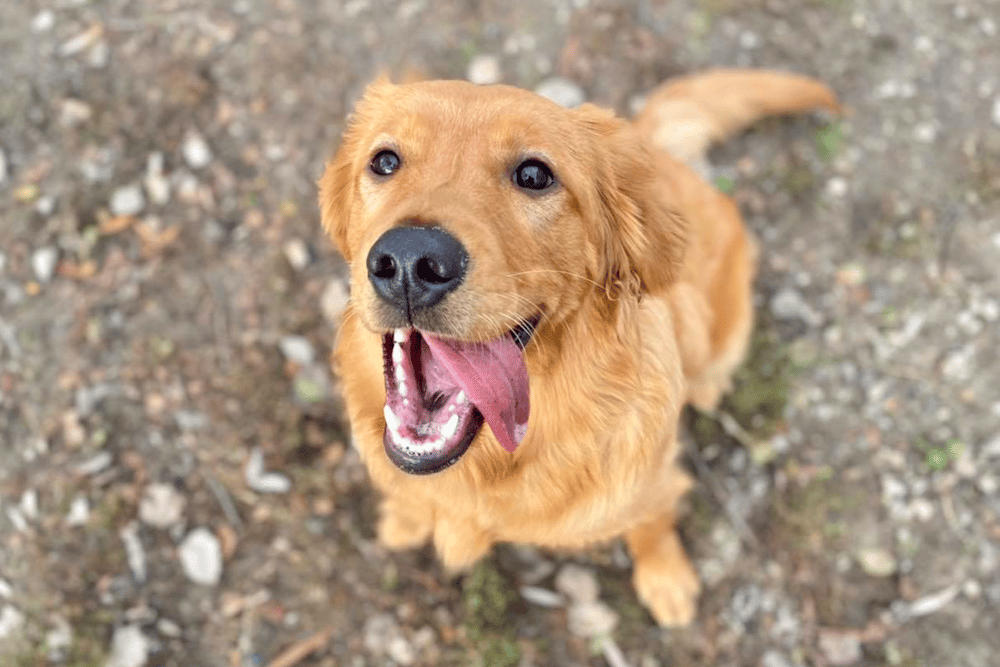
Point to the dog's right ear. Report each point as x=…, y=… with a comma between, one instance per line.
x=338, y=184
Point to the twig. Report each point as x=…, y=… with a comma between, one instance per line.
x=296, y=653
x=222, y=495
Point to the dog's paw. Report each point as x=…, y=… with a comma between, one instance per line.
x=401, y=528
x=669, y=588
x=460, y=544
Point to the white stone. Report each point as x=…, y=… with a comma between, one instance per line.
x=162, y=505
x=3, y=166
x=11, y=622
x=43, y=263
x=297, y=253
x=484, y=70
x=196, y=150
x=542, y=597
x=157, y=185
x=577, y=583
x=129, y=647
x=262, y=481
x=127, y=200
x=591, y=619
x=201, y=557
x=73, y=113
x=995, y=114
x=43, y=21
x=135, y=554
x=333, y=300
x=79, y=511
x=562, y=91
x=297, y=349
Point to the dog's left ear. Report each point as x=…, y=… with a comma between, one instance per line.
x=641, y=239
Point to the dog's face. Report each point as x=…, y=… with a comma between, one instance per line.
x=478, y=223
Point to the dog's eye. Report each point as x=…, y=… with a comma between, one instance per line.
x=385, y=163
x=533, y=175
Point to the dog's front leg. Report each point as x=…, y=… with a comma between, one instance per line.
x=664, y=577
x=404, y=525
x=460, y=542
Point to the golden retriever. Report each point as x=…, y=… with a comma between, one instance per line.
x=535, y=293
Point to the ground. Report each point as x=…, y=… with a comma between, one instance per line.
x=176, y=483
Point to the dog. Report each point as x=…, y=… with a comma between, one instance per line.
x=536, y=292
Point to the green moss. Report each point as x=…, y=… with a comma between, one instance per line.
x=487, y=597
x=761, y=386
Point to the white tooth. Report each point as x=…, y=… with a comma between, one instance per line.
x=402, y=389
x=390, y=419
x=450, y=427
x=461, y=397
x=399, y=335
x=406, y=401
x=400, y=374
x=397, y=354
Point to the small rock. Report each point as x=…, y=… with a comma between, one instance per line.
x=201, y=557
x=788, y=304
x=591, y=619
x=333, y=300
x=11, y=622
x=135, y=555
x=73, y=113
x=561, y=91
x=484, y=70
x=401, y=651
x=378, y=631
x=877, y=562
x=196, y=150
x=542, y=597
x=162, y=506
x=43, y=21
x=577, y=583
x=3, y=166
x=127, y=200
x=262, y=481
x=59, y=640
x=129, y=647
x=43, y=263
x=297, y=253
x=841, y=647
x=80, y=42
x=773, y=658
x=94, y=464
x=6, y=590
x=79, y=511
x=297, y=349
x=995, y=114
x=157, y=185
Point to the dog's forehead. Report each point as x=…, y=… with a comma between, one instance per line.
x=442, y=111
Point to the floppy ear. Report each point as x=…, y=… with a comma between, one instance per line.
x=641, y=239
x=337, y=185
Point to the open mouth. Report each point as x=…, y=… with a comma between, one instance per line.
x=439, y=391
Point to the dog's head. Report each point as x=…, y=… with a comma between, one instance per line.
x=479, y=223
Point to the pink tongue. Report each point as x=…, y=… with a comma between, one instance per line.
x=494, y=377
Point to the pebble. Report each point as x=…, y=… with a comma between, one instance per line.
x=333, y=300
x=79, y=511
x=80, y=42
x=788, y=304
x=196, y=150
x=773, y=658
x=591, y=619
x=577, y=583
x=261, y=480
x=94, y=464
x=129, y=647
x=840, y=647
x=297, y=349
x=11, y=622
x=43, y=21
x=162, y=505
x=561, y=91
x=157, y=185
x=43, y=263
x=877, y=562
x=297, y=253
x=135, y=555
x=201, y=557
x=74, y=112
x=383, y=636
x=3, y=166
x=6, y=590
x=484, y=70
x=542, y=597
x=127, y=200
x=995, y=114
x=59, y=639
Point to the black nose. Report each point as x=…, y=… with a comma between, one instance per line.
x=415, y=267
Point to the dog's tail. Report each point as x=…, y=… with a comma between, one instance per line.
x=685, y=116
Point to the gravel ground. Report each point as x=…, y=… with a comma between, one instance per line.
x=175, y=488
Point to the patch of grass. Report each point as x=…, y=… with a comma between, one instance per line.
x=761, y=386
x=830, y=140
x=488, y=597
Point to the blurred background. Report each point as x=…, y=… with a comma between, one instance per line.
x=176, y=483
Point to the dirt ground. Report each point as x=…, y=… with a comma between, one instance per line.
x=177, y=487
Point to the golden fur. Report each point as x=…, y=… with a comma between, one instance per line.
x=642, y=272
